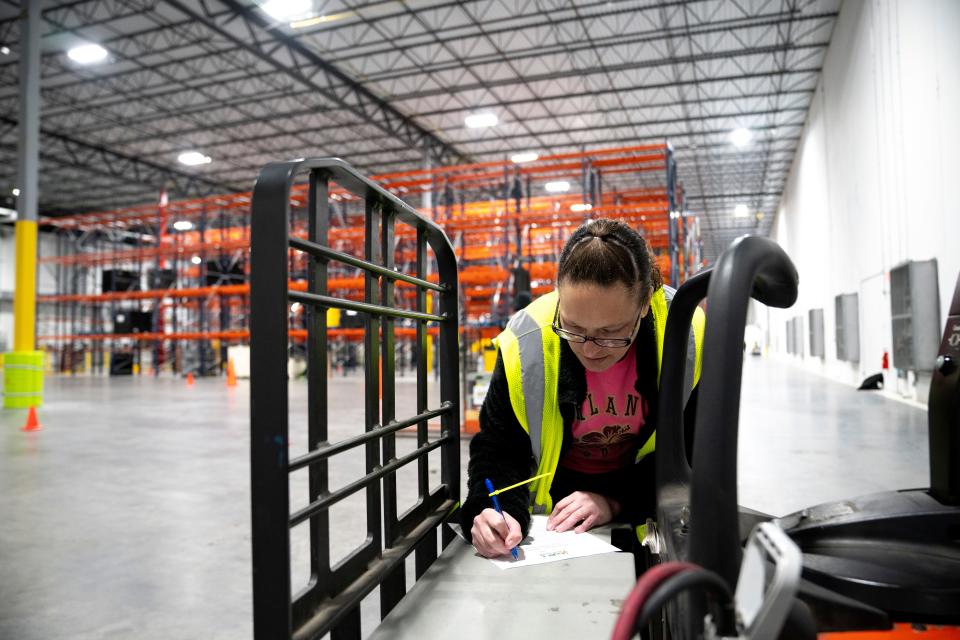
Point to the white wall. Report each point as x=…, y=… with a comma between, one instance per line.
x=874, y=182
x=46, y=281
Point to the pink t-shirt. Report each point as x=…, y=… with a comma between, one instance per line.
x=606, y=425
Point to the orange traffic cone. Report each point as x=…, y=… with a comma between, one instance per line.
x=32, y=423
x=190, y=379
x=231, y=374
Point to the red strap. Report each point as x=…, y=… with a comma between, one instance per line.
x=649, y=582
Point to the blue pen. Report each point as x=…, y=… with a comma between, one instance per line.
x=496, y=505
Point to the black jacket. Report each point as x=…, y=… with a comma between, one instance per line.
x=501, y=451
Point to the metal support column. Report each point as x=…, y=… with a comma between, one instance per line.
x=23, y=379
x=426, y=197
x=674, y=216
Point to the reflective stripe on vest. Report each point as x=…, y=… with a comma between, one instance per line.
x=531, y=358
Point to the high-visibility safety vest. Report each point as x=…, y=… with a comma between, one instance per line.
x=531, y=359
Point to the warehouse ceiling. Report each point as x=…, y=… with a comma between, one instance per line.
x=387, y=84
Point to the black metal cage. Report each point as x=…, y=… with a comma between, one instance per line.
x=331, y=600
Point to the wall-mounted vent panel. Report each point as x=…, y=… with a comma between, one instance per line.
x=847, y=307
x=817, y=349
x=915, y=312
x=795, y=336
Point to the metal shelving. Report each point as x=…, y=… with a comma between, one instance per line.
x=183, y=266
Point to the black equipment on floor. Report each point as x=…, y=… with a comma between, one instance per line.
x=121, y=363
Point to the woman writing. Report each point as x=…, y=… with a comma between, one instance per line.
x=574, y=395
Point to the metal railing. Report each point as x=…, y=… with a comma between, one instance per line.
x=331, y=600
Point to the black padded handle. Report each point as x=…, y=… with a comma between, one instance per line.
x=751, y=266
x=672, y=466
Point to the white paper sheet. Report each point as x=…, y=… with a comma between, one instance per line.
x=541, y=546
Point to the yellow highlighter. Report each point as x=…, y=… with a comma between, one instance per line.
x=520, y=484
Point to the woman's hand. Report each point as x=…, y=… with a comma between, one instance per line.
x=583, y=510
x=493, y=537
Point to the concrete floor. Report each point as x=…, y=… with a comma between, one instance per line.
x=128, y=515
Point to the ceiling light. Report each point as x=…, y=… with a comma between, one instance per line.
x=581, y=206
x=196, y=260
x=193, y=158
x=88, y=54
x=288, y=9
x=183, y=225
x=557, y=187
x=741, y=137
x=478, y=120
x=741, y=211
x=5, y=51
x=315, y=20
x=520, y=158
x=16, y=191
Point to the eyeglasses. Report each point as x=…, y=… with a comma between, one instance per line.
x=609, y=343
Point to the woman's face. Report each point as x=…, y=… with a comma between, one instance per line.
x=599, y=312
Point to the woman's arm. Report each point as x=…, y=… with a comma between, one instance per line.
x=501, y=451
x=637, y=495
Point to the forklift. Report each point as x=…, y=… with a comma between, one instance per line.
x=885, y=564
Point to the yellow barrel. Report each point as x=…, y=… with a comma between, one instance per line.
x=23, y=379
